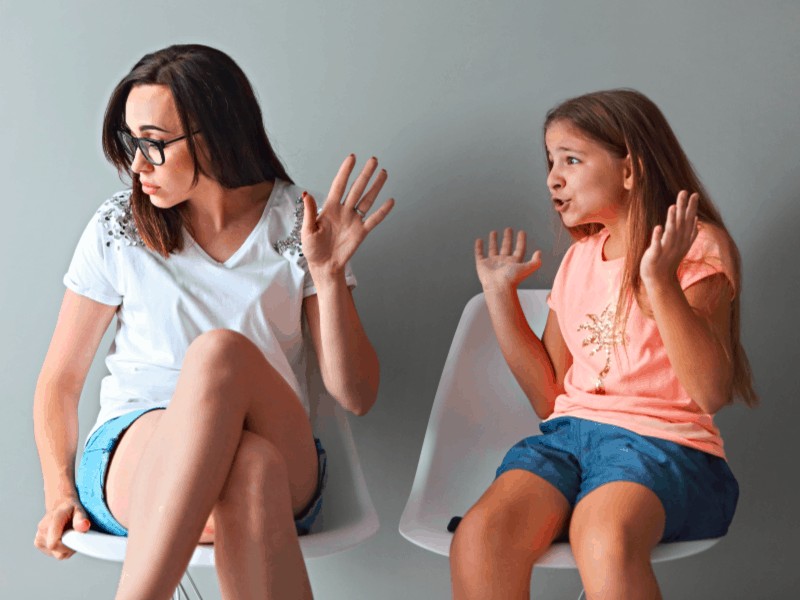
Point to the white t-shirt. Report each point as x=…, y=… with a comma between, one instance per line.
x=164, y=304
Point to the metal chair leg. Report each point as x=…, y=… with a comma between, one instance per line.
x=583, y=595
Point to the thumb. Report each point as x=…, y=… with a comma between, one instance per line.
x=80, y=522
x=309, y=212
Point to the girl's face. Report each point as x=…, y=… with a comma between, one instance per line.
x=150, y=112
x=588, y=184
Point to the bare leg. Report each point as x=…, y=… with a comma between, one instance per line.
x=189, y=466
x=613, y=531
x=500, y=538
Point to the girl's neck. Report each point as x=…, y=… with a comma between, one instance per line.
x=221, y=208
x=615, y=245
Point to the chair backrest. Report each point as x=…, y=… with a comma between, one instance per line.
x=478, y=413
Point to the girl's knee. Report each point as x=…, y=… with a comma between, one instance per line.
x=607, y=544
x=220, y=345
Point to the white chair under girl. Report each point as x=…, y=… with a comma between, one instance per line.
x=348, y=516
x=478, y=413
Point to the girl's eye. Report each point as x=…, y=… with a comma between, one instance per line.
x=571, y=160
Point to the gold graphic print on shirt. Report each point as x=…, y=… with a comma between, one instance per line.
x=603, y=336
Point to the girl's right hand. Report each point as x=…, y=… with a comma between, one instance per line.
x=505, y=269
x=48, y=535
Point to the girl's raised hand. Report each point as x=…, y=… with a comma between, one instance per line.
x=504, y=269
x=331, y=237
x=670, y=243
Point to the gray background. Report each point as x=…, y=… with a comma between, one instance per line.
x=450, y=95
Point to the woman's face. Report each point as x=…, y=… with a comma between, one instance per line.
x=587, y=183
x=150, y=112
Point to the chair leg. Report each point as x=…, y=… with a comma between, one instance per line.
x=583, y=595
x=182, y=594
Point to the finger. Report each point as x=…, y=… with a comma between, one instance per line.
x=669, y=228
x=492, y=243
x=691, y=209
x=519, y=249
x=655, y=239
x=478, y=249
x=369, y=198
x=339, y=184
x=536, y=259
x=360, y=184
x=379, y=215
x=80, y=522
x=309, y=213
x=55, y=531
x=680, y=210
x=505, y=249
x=695, y=229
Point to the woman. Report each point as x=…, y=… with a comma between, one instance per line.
x=210, y=263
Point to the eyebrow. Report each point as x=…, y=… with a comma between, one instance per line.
x=149, y=128
x=565, y=149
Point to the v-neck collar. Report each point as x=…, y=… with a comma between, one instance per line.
x=233, y=258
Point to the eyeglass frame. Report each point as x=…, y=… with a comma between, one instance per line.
x=159, y=144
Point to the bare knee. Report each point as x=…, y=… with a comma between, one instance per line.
x=258, y=474
x=221, y=348
x=606, y=545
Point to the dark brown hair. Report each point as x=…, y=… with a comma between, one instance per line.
x=212, y=95
x=626, y=122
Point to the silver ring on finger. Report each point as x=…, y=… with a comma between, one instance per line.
x=360, y=212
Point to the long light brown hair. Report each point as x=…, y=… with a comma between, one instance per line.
x=627, y=123
x=212, y=95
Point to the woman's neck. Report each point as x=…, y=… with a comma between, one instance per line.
x=220, y=208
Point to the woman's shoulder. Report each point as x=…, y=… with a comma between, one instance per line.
x=113, y=224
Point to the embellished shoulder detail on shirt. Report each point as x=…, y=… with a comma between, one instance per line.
x=292, y=241
x=116, y=216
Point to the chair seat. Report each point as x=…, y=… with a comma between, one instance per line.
x=347, y=518
x=479, y=412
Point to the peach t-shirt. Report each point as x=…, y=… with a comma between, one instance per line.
x=642, y=392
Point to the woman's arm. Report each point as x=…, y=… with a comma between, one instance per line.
x=347, y=360
x=694, y=325
x=537, y=365
x=79, y=329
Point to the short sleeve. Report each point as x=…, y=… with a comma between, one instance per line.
x=556, y=292
x=93, y=272
x=710, y=254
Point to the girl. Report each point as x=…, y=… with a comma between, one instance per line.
x=211, y=262
x=641, y=347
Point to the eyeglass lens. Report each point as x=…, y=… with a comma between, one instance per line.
x=149, y=149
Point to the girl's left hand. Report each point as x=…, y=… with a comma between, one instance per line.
x=669, y=244
x=330, y=238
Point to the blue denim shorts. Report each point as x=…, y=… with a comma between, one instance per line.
x=698, y=491
x=91, y=476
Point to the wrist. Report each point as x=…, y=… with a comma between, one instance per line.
x=326, y=276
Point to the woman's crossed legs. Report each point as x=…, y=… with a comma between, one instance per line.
x=233, y=452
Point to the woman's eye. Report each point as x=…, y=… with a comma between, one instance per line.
x=571, y=160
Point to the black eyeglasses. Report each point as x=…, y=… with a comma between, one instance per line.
x=152, y=150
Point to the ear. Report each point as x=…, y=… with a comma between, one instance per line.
x=627, y=173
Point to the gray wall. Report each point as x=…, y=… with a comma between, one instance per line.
x=450, y=96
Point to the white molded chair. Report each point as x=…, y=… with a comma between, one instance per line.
x=480, y=412
x=347, y=518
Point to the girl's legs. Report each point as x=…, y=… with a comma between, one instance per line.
x=613, y=530
x=502, y=535
x=199, y=456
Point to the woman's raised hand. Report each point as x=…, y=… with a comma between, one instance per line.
x=67, y=510
x=331, y=237
x=670, y=243
x=504, y=269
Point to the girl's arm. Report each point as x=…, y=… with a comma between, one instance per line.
x=347, y=360
x=80, y=326
x=537, y=365
x=694, y=324
x=695, y=327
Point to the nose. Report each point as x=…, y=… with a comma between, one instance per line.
x=139, y=163
x=554, y=180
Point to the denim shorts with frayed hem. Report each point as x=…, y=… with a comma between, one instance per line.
x=698, y=490
x=93, y=468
